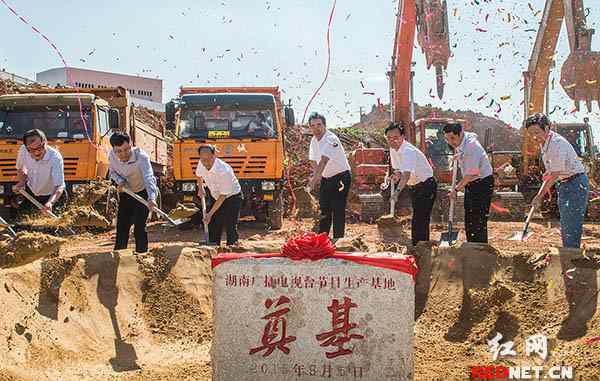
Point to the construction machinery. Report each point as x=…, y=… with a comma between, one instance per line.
x=245, y=124
x=580, y=78
x=430, y=19
x=77, y=122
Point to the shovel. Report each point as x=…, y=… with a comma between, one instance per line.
x=158, y=211
x=449, y=237
x=10, y=230
x=522, y=236
x=41, y=207
x=203, y=201
x=393, y=196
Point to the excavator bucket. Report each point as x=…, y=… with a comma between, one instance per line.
x=580, y=78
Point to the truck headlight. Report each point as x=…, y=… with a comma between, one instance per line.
x=268, y=185
x=188, y=187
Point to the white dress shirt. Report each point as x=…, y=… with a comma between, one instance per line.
x=330, y=147
x=409, y=158
x=136, y=172
x=43, y=176
x=472, y=158
x=220, y=179
x=560, y=156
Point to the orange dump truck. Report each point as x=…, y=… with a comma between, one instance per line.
x=245, y=124
x=57, y=112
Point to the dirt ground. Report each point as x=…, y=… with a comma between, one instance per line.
x=88, y=314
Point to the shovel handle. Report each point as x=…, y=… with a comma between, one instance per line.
x=392, y=197
x=145, y=203
x=11, y=232
x=203, y=202
x=36, y=203
x=529, y=215
x=454, y=175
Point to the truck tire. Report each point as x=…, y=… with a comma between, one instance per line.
x=275, y=211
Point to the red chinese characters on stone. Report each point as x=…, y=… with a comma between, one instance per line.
x=340, y=328
x=274, y=334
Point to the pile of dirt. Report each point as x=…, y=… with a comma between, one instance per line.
x=182, y=212
x=28, y=247
x=91, y=193
x=171, y=312
x=83, y=216
x=10, y=87
x=350, y=244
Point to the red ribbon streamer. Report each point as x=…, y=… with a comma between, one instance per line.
x=318, y=246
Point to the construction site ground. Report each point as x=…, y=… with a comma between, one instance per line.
x=91, y=315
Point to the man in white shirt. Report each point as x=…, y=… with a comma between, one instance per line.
x=225, y=195
x=40, y=170
x=477, y=180
x=130, y=167
x=564, y=167
x=412, y=169
x=332, y=170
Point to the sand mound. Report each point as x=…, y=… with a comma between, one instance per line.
x=28, y=247
x=108, y=316
x=89, y=194
x=350, y=244
x=169, y=309
x=83, y=216
x=181, y=212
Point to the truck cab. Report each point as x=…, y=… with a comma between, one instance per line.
x=79, y=125
x=76, y=124
x=246, y=127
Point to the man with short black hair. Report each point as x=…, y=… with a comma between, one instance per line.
x=412, y=169
x=130, y=167
x=332, y=170
x=225, y=195
x=563, y=167
x=477, y=180
x=40, y=170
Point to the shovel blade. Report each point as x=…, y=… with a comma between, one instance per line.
x=519, y=236
x=448, y=239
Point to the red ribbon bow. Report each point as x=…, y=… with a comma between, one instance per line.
x=308, y=246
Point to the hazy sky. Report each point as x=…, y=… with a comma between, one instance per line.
x=282, y=42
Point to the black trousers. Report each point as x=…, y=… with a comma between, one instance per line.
x=423, y=197
x=333, y=195
x=478, y=197
x=132, y=212
x=227, y=216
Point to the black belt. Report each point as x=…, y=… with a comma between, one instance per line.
x=340, y=174
x=422, y=183
x=572, y=177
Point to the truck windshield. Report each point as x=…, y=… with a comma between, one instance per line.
x=219, y=124
x=56, y=123
x=437, y=147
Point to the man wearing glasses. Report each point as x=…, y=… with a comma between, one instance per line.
x=40, y=170
x=130, y=168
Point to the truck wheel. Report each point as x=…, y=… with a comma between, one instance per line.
x=275, y=211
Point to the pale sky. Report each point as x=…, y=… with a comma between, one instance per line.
x=282, y=42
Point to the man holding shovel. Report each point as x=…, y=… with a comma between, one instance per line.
x=563, y=167
x=40, y=170
x=225, y=193
x=412, y=168
x=332, y=170
x=130, y=167
x=477, y=180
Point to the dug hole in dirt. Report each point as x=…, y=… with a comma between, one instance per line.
x=119, y=317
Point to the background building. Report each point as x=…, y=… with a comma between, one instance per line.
x=143, y=91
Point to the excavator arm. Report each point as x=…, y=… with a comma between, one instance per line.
x=580, y=74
